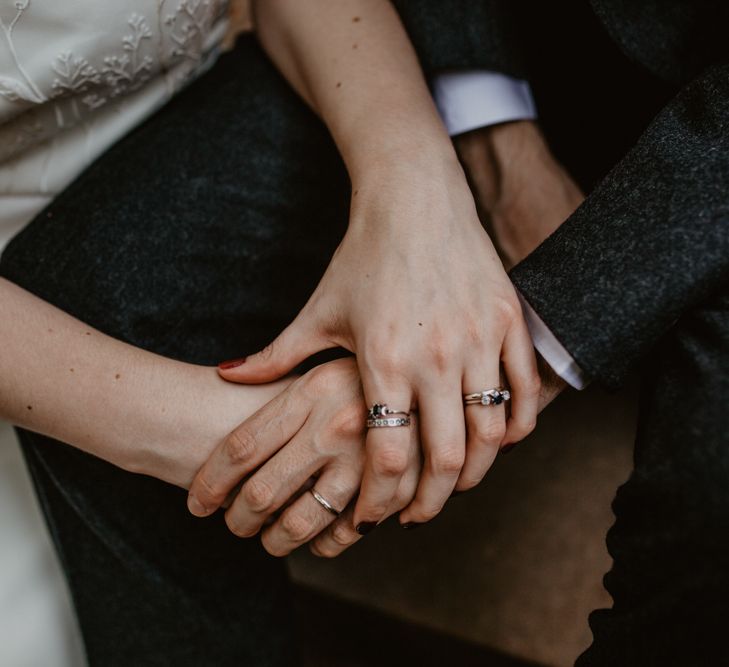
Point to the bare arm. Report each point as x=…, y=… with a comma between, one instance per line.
x=140, y=411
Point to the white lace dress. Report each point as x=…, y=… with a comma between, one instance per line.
x=75, y=76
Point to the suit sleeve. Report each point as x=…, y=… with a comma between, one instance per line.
x=648, y=244
x=464, y=34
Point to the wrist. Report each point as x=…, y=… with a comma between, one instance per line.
x=497, y=158
x=181, y=432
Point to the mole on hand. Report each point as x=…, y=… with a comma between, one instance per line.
x=30, y=407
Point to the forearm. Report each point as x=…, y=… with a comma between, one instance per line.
x=135, y=409
x=353, y=63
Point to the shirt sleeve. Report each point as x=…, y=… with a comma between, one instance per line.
x=553, y=352
x=471, y=99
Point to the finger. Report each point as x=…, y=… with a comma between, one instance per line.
x=387, y=453
x=306, y=518
x=485, y=424
x=245, y=448
x=520, y=368
x=443, y=435
x=296, y=343
x=273, y=485
x=342, y=534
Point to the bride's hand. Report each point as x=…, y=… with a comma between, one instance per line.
x=313, y=429
x=418, y=292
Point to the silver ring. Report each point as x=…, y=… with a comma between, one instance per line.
x=379, y=417
x=324, y=502
x=495, y=396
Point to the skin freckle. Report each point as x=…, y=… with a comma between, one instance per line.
x=117, y=376
x=88, y=333
x=50, y=330
x=71, y=370
x=339, y=84
x=356, y=19
x=354, y=46
x=30, y=407
x=420, y=324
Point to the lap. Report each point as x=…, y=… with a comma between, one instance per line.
x=670, y=541
x=198, y=237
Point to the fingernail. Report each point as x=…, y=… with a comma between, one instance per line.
x=508, y=448
x=233, y=363
x=195, y=506
x=410, y=525
x=366, y=527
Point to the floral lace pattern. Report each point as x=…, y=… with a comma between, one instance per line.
x=161, y=37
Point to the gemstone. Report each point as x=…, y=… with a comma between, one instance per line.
x=378, y=410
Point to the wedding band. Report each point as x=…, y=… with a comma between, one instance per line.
x=495, y=396
x=379, y=417
x=324, y=502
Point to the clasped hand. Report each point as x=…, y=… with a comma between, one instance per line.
x=418, y=294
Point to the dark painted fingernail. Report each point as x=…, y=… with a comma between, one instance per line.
x=233, y=363
x=366, y=527
x=410, y=525
x=508, y=448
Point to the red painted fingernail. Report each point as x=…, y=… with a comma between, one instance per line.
x=233, y=363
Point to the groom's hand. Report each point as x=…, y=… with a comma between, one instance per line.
x=522, y=193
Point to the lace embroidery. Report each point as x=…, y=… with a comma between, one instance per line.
x=82, y=85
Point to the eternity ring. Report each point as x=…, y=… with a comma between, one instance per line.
x=488, y=397
x=378, y=417
x=324, y=502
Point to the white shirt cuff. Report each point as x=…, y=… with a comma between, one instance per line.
x=551, y=349
x=478, y=98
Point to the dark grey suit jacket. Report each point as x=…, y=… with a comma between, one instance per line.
x=652, y=239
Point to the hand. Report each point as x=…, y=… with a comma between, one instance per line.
x=417, y=291
x=313, y=429
x=523, y=194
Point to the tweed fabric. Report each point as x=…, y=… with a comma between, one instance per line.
x=463, y=34
x=199, y=237
x=670, y=541
x=649, y=243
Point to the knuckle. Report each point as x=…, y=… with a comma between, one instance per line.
x=468, y=483
x=350, y=421
x=390, y=462
x=205, y=490
x=272, y=548
x=258, y=495
x=236, y=529
x=296, y=528
x=448, y=461
x=441, y=351
x=342, y=535
x=240, y=446
x=490, y=433
x=327, y=550
x=426, y=513
x=385, y=357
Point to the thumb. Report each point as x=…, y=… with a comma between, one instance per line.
x=295, y=343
